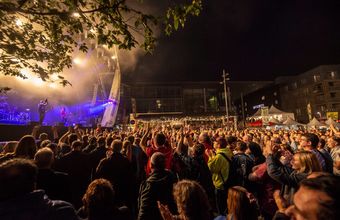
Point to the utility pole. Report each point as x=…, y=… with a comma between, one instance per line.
x=225, y=79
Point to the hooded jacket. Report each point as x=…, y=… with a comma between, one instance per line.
x=158, y=187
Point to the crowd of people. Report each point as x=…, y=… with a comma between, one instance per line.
x=163, y=172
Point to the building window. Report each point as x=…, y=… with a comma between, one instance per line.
x=263, y=98
x=316, y=78
x=303, y=81
x=286, y=88
x=275, y=94
x=245, y=104
x=294, y=85
x=332, y=74
x=298, y=111
x=276, y=102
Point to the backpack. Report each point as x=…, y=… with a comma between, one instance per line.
x=227, y=184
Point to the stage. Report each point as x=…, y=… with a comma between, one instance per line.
x=15, y=132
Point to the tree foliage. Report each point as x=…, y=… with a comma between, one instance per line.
x=41, y=35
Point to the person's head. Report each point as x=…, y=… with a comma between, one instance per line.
x=305, y=162
x=101, y=141
x=43, y=136
x=239, y=204
x=309, y=140
x=221, y=143
x=131, y=138
x=255, y=149
x=109, y=140
x=321, y=144
x=93, y=141
x=198, y=150
x=26, y=147
x=203, y=138
x=99, y=199
x=9, y=147
x=317, y=198
x=160, y=139
x=232, y=140
x=247, y=138
x=44, y=143
x=44, y=158
x=116, y=146
x=54, y=148
x=71, y=138
x=157, y=161
x=76, y=145
x=126, y=146
x=192, y=201
x=17, y=177
x=241, y=146
x=333, y=142
x=137, y=141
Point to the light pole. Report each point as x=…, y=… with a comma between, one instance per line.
x=225, y=79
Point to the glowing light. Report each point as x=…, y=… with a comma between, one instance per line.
x=18, y=22
x=93, y=31
x=52, y=85
x=37, y=81
x=113, y=57
x=54, y=77
x=76, y=14
x=24, y=72
x=77, y=61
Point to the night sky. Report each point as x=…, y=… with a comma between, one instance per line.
x=252, y=39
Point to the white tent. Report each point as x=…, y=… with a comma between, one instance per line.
x=330, y=121
x=274, y=121
x=315, y=122
x=290, y=122
x=275, y=113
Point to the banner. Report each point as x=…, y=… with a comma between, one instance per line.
x=333, y=115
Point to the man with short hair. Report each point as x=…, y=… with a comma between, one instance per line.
x=309, y=142
x=20, y=201
x=55, y=184
x=117, y=169
x=77, y=165
x=158, y=144
x=219, y=166
x=317, y=199
x=158, y=187
x=334, y=145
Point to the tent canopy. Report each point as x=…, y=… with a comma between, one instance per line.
x=315, y=122
x=330, y=121
x=290, y=121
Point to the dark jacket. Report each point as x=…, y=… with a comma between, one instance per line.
x=36, y=205
x=241, y=167
x=117, y=169
x=96, y=156
x=116, y=213
x=285, y=175
x=76, y=164
x=158, y=187
x=55, y=184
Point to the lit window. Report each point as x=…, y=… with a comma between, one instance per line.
x=263, y=98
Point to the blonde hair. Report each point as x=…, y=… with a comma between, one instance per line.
x=309, y=162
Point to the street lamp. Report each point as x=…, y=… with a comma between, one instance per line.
x=225, y=79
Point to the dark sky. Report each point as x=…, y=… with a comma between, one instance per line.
x=252, y=39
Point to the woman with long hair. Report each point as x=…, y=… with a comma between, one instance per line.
x=302, y=164
x=26, y=148
x=192, y=202
x=99, y=203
